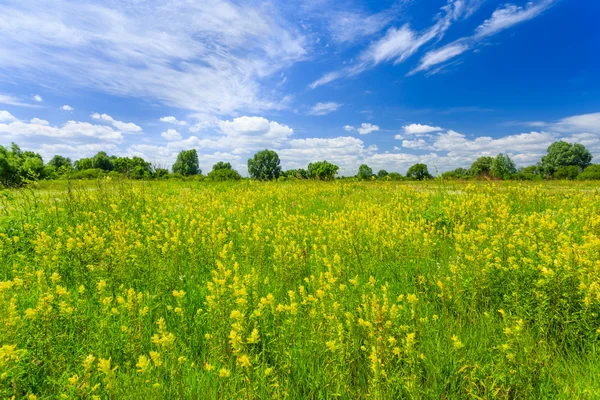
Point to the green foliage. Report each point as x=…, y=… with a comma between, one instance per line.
x=502, y=167
x=223, y=171
x=83, y=163
x=382, y=173
x=418, y=172
x=265, y=165
x=17, y=166
x=102, y=161
x=187, y=163
x=160, y=173
x=530, y=173
x=458, y=173
x=60, y=162
x=481, y=166
x=590, y=173
x=563, y=154
x=569, y=172
x=322, y=170
x=394, y=176
x=364, y=172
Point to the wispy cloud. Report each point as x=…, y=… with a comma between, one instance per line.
x=501, y=19
x=37, y=98
x=320, y=109
x=15, y=101
x=212, y=56
x=173, y=120
x=399, y=43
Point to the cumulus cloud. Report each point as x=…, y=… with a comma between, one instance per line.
x=6, y=116
x=72, y=129
x=366, y=128
x=173, y=120
x=418, y=129
x=171, y=135
x=127, y=127
x=349, y=128
x=67, y=107
x=324, y=108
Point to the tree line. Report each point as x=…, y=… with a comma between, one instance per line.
x=562, y=161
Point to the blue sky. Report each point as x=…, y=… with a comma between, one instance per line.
x=387, y=83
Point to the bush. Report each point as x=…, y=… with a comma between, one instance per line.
x=93, y=173
x=590, y=173
x=566, y=172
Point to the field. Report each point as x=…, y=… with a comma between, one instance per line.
x=383, y=290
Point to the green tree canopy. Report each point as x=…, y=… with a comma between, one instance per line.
x=187, y=163
x=481, y=166
x=223, y=171
x=59, y=161
x=102, y=161
x=265, y=165
x=382, y=174
x=563, y=154
x=364, y=172
x=322, y=170
x=503, y=167
x=418, y=172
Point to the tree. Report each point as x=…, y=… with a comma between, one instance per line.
x=418, y=172
x=187, y=163
x=458, y=173
x=563, y=154
x=566, y=172
x=102, y=161
x=83, y=163
x=481, y=166
x=265, y=165
x=17, y=166
x=59, y=161
x=223, y=171
x=382, y=174
x=322, y=170
x=395, y=176
x=590, y=173
x=503, y=167
x=364, y=172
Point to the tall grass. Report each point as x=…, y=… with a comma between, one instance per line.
x=300, y=290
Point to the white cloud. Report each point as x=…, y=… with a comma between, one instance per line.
x=39, y=121
x=127, y=127
x=72, y=129
x=37, y=98
x=348, y=26
x=418, y=129
x=75, y=152
x=502, y=18
x=420, y=144
x=510, y=15
x=366, y=128
x=398, y=44
x=171, y=135
x=6, y=116
x=14, y=101
x=253, y=133
x=173, y=120
x=208, y=56
x=349, y=128
x=67, y=107
x=324, y=108
x=579, y=123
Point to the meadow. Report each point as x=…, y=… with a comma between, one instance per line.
x=300, y=290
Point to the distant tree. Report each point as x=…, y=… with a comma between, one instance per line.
x=563, y=154
x=83, y=163
x=502, y=167
x=322, y=170
x=223, y=171
x=265, y=165
x=17, y=166
x=59, y=161
x=481, y=166
x=102, y=161
x=530, y=173
x=395, y=176
x=566, y=172
x=591, y=172
x=364, y=172
x=418, y=172
x=458, y=173
x=382, y=174
x=160, y=173
x=187, y=163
